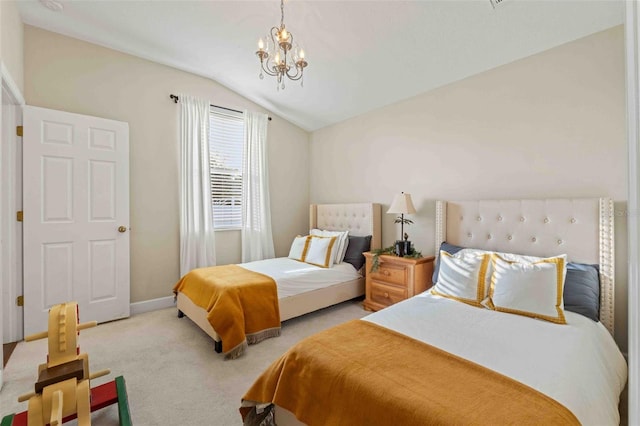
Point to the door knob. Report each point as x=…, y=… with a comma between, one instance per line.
x=122, y=229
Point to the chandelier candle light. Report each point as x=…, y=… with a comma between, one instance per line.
x=279, y=56
x=402, y=204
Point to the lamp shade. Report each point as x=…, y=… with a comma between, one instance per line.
x=402, y=204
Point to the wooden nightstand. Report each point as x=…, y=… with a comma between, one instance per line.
x=396, y=279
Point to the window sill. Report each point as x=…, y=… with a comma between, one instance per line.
x=226, y=229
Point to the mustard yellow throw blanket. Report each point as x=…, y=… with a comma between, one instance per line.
x=242, y=305
x=360, y=373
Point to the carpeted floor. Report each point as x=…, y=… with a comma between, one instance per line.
x=173, y=375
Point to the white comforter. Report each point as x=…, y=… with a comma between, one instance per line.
x=293, y=277
x=578, y=364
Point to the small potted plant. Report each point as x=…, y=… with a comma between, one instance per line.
x=391, y=251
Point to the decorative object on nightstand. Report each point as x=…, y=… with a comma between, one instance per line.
x=395, y=279
x=391, y=251
x=402, y=205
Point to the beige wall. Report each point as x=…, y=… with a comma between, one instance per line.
x=551, y=125
x=11, y=41
x=71, y=75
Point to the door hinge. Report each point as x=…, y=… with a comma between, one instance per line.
x=19, y=130
x=19, y=216
x=20, y=300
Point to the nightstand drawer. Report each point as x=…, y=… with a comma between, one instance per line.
x=390, y=273
x=387, y=294
x=396, y=279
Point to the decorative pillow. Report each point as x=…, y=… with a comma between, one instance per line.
x=355, y=248
x=340, y=246
x=531, y=289
x=299, y=248
x=449, y=248
x=582, y=290
x=319, y=251
x=463, y=277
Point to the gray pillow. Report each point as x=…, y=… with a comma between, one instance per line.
x=355, y=248
x=582, y=290
x=581, y=286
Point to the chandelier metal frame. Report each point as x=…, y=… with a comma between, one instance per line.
x=280, y=57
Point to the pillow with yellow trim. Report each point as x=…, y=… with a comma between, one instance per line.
x=463, y=277
x=319, y=251
x=340, y=245
x=299, y=248
x=532, y=289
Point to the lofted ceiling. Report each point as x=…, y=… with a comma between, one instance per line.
x=362, y=54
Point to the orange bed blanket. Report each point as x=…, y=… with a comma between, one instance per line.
x=359, y=373
x=242, y=305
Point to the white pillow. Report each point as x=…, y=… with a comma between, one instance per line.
x=533, y=289
x=340, y=246
x=509, y=257
x=463, y=277
x=319, y=252
x=299, y=248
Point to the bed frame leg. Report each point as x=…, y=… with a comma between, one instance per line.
x=218, y=346
x=180, y=313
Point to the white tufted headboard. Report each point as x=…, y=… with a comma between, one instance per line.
x=581, y=228
x=359, y=219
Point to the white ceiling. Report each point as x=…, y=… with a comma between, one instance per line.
x=362, y=54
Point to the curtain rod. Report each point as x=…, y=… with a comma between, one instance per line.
x=176, y=99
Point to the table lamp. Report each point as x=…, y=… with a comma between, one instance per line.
x=402, y=205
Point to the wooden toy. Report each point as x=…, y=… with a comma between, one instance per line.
x=62, y=391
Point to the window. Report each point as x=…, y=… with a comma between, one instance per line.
x=226, y=139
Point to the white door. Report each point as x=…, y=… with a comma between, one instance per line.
x=76, y=215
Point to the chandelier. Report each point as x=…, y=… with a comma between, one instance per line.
x=279, y=56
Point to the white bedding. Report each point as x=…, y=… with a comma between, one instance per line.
x=577, y=364
x=293, y=277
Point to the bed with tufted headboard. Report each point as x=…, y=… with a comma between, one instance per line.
x=582, y=228
x=420, y=361
x=304, y=288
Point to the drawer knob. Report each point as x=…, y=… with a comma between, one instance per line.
x=387, y=273
x=386, y=295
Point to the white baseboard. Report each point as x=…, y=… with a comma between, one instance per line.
x=152, y=305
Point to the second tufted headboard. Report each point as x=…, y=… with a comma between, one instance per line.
x=581, y=228
x=359, y=219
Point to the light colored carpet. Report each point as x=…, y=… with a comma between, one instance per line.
x=172, y=372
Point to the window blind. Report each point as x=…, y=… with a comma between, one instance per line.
x=226, y=139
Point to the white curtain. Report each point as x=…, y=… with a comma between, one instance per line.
x=197, y=244
x=257, y=240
